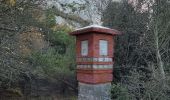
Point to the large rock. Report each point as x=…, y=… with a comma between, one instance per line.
x=87, y=10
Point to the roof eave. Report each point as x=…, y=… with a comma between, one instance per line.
x=97, y=30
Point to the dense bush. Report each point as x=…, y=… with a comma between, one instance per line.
x=142, y=50
x=33, y=49
x=118, y=92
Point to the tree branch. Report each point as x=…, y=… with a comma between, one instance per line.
x=3, y=27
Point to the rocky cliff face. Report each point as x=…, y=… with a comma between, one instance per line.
x=78, y=13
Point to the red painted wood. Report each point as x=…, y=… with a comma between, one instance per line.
x=93, y=46
x=94, y=76
x=93, y=35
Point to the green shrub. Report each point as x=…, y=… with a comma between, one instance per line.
x=118, y=92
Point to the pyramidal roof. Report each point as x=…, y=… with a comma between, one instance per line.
x=96, y=29
x=94, y=26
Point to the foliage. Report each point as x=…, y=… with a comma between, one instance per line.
x=57, y=62
x=143, y=86
x=14, y=18
x=58, y=58
x=160, y=28
x=21, y=30
x=143, y=48
x=133, y=25
x=50, y=18
x=118, y=92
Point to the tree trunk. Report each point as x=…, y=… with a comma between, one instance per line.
x=158, y=55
